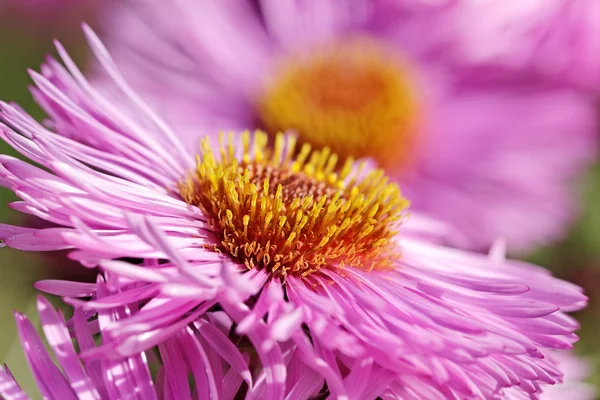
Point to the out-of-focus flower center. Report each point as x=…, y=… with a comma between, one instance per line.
x=353, y=98
x=289, y=212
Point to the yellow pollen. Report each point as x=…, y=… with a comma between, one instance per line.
x=291, y=212
x=352, y=97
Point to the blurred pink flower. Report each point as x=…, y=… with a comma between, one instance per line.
x=576, y=371
x=484, y=111
x=315, y=271
x=573, y=386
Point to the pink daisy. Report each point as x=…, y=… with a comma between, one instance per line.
x=310, y=263
x=484, y=111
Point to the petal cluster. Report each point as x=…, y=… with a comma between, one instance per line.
x=186, y=352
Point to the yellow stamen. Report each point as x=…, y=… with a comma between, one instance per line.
x=293, y=217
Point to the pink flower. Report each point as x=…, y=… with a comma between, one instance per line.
x=315, y=269
x=483, y=111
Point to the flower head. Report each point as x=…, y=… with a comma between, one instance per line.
x=276, y=251
x=485, y=137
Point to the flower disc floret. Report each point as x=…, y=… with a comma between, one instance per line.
x=293, y=212
x=350, y=96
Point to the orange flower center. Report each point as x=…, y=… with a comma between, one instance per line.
x=353, y=98
x=289, y=212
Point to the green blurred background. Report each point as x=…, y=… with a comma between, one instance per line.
x=25, y=40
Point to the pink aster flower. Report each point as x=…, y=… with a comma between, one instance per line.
x=309, y=263
x=484, y=130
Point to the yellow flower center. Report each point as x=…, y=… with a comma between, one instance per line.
x=352, y=97
x=289, y=212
